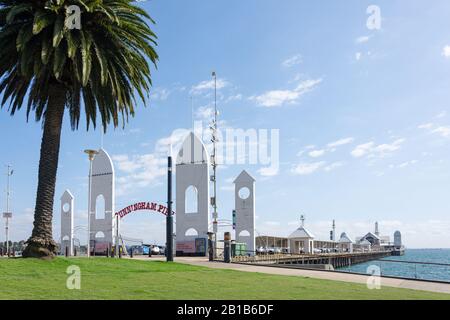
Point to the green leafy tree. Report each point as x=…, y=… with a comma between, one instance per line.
x=52, y=67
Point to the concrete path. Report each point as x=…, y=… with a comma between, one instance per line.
x=336, y=276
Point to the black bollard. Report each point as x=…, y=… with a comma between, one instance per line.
x=227, y=247
x=210, y=247
x=131, y=252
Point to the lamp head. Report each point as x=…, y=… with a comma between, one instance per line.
x=91, y=153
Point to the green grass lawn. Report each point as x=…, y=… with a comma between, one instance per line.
x=103, y=278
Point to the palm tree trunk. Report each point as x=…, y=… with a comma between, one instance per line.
x=41, y=243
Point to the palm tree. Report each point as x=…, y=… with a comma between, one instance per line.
x=51, y=67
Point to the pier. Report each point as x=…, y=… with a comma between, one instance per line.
x=328, y=261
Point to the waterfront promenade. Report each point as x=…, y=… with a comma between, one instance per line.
x=326, y=275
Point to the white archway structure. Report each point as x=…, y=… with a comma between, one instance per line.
x=244, y=195
x=192, y=170
x=102, y=186
x=67, y=203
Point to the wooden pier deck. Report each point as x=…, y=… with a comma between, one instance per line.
x=337, y=260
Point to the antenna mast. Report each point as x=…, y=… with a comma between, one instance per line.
x=7, y=215
x=334, y=231
x=214, y=163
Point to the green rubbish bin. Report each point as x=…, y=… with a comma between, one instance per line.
x=238, y=249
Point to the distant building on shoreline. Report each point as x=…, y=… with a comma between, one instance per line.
x=303, y=241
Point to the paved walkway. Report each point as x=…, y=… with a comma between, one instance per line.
x=336, y=276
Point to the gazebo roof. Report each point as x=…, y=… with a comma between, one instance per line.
x=301, y=232
x=345, y=238
x=370, y=234
x=365, y=243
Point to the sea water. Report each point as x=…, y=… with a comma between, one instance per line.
x=410, y=270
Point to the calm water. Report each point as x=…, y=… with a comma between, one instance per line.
x=419, y=271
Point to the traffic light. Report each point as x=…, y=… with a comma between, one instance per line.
x=234, y=219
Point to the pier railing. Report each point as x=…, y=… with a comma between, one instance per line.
x=335, y=259
x=431, y=271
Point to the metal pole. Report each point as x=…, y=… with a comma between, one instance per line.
x=91, y=154
x=169, y=218
x=215, y=230
x=8, y=174
x=89, y=210
x=117, y=236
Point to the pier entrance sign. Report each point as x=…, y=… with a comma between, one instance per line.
x=139, y=206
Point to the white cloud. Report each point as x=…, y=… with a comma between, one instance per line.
x=160, y=94
x=407, y=163
x=441, y=115
x=426, y=126
x=307, y=168
x=268, y=171
x=234, y=97
x=272, y=223
x=388, y=148
x=443, y=131
x=316, y=153
x=371, y=150
x=358, y=56
x=227, y=188
x=140, y=171
x=292, y=61
x=205, y=113
x=277, y=98
x=340, y=142
x=446, y=51
x=208, y=85
x=362, y=149
x=145, y=170
x=362, y=39
x=333, y=166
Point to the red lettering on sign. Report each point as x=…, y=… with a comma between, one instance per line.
x=151, y=206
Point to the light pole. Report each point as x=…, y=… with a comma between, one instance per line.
x=214, y=163
x=91, y=154
x=7, y=215
x=169, y=218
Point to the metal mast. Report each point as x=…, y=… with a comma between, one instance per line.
x=169, y=217
x=7, y=215
x=214, y=162
x=91, y=154
x=334, y=231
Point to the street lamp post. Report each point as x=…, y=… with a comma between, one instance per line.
x=7, y=215
x=91, y=154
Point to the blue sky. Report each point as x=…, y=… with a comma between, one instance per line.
x=363, y=117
